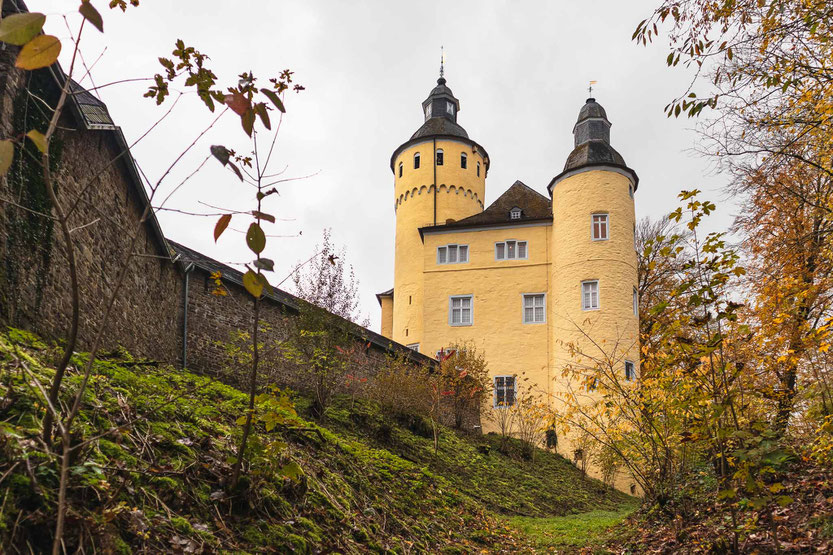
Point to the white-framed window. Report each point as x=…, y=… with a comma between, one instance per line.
x=452, y=254
x=401, y=165
x=416, y=161
x=590, y=294
x=630, y=370
x=600, y=227
x=428, y=111
x=511, y=250
x=535, y=311
x=449, y=107
x=635, y=302
x=460, y=310
x=515, y=214
x=478, y=169
x=439, y=157
x=464, y=160
x=413, y=347
x=504, y=387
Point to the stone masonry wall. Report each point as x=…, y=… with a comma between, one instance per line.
x=34, y=280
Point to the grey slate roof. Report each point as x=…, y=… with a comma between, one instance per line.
x=440, y=126
x=591, y=109
x=593, y=152
x=534, y=206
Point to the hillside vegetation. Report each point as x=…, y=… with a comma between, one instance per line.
x=152, y=474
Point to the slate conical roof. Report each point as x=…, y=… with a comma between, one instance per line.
x=592, y=144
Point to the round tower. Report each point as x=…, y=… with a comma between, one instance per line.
x=594, y=265
x=439, y=176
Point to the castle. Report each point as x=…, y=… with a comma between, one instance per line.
x=526, y=278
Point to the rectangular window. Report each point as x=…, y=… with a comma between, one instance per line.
x=630, y=371
x=534, y=308
x=635, y=302
x=413, y=347
x=600, y=225
x=464, y=161
x=416, y=161
x=504, y=391
x=452, y=254
x=511, y=250
x=449, y=107
x=478, y=169
x=590, y=295
x=460, y=310
x=439, y=157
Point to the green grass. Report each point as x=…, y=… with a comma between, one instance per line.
x=571, y=531
x=369, y=481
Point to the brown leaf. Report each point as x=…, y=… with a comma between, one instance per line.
x=221, y=226
x=91, y=14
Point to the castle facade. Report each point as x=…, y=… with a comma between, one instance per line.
x=531, y=281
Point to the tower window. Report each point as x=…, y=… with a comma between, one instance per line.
x=534, y=311
x=600, y=225
x=590, y=295
x=416, y=161
x=510, y=250
x=460, y=310
x=630, y=190
x=428, y=111
x=504, y=387
x=400, y=168
x=439, y=157
x=635, y=302
x=630, y=370
x=478, y=169
x=464, y=160
x=449, y=107
x=452, y=254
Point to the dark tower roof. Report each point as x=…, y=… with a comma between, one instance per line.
x=592, y=143
x=440, y=113
x=440, y=110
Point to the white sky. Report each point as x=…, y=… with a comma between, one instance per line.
x=520, y=70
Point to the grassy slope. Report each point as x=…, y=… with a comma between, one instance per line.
x=368, y=483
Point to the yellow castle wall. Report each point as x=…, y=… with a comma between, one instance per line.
x=387, y=316
x=459, y=194
x=510, y=346
x=576, y=258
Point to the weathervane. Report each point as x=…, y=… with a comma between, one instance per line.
x=590, y=88
x=442, y=62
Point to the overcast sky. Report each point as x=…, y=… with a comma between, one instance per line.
x=519, y=68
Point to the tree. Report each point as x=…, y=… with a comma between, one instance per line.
x=463, y=379
x=327, y=282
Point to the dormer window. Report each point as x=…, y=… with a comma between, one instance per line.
x=515, y=214
x=428, y=111
x=449, y=107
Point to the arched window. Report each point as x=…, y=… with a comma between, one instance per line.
x=439, y=157
x=463, y=160
x=416, y=161
x=400, y=169
x=478, y=169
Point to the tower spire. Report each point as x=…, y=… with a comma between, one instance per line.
x=442, y=63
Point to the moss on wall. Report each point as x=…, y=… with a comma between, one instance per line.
x=28, y=235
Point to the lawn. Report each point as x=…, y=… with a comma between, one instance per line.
x=571, y=531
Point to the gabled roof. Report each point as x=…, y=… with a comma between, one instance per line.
x=534, y=206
